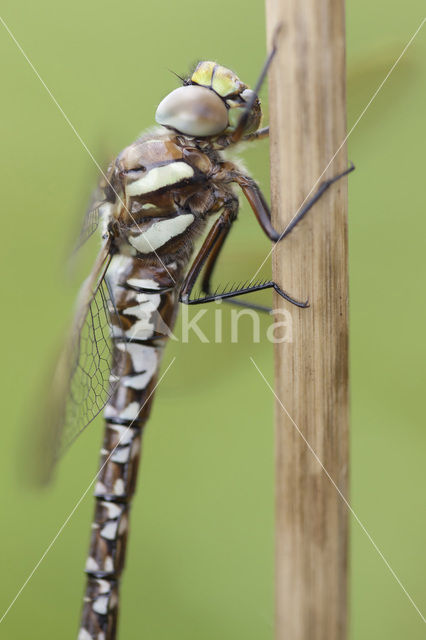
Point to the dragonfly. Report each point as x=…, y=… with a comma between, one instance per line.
x=154, y=201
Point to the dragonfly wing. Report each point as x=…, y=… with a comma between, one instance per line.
x=90, y=224
x=101, y=199
x=81, y=383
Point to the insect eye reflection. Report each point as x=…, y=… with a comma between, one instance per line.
x=194, y=111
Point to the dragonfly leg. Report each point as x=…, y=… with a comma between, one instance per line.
x=259, y=286
x=209, y=266
x=261, y=208
x=210, y=250
x=206, y=258
x=260, y=134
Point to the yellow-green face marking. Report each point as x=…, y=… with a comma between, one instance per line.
x=222, y=80
x=211, y=103
x=229, y=87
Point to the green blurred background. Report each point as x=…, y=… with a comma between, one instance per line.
x=200, y=561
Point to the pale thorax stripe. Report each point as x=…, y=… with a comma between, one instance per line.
x=161, y=232
x=160, y=177
x=143, y=283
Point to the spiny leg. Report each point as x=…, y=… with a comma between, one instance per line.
x=317, y=195
x=211, y=247
x=215, y=241
x=209, y=266
x=260, y=134
x=244, y=290
x=261, y=209
x=249, y=305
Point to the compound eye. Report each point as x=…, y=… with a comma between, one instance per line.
x=194, y=111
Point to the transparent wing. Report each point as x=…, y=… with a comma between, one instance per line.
x=100, y=199
x=92, y=361
x=82, y=382
x=90, y=223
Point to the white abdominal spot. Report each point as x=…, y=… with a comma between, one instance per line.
x=131, y=412
x=109, y=531
x=113, y=510
x=108, y=564
x=141, y=330
x=103, y=585
x=145, y=311
x=125, y=435
x=91, y=564
x=143, y=358
x=121, y=455
x=160, y=177
x=118, y=487
x=100, y=488
x=147, y=366
x=138, y=382
x=101, y=605
x=147, y=304
x=161, y=232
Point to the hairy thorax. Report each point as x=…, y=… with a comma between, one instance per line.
x=162, y=189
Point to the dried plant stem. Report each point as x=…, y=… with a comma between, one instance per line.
x=308, y=124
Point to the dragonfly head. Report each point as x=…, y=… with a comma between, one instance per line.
x=210, y=103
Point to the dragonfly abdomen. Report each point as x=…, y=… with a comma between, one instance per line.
x=146, y=300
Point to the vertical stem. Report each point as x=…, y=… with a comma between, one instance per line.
x=308, y=124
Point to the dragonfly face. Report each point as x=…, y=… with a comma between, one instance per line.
x=210, y=103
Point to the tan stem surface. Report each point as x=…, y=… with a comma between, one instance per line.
x=308, y=124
